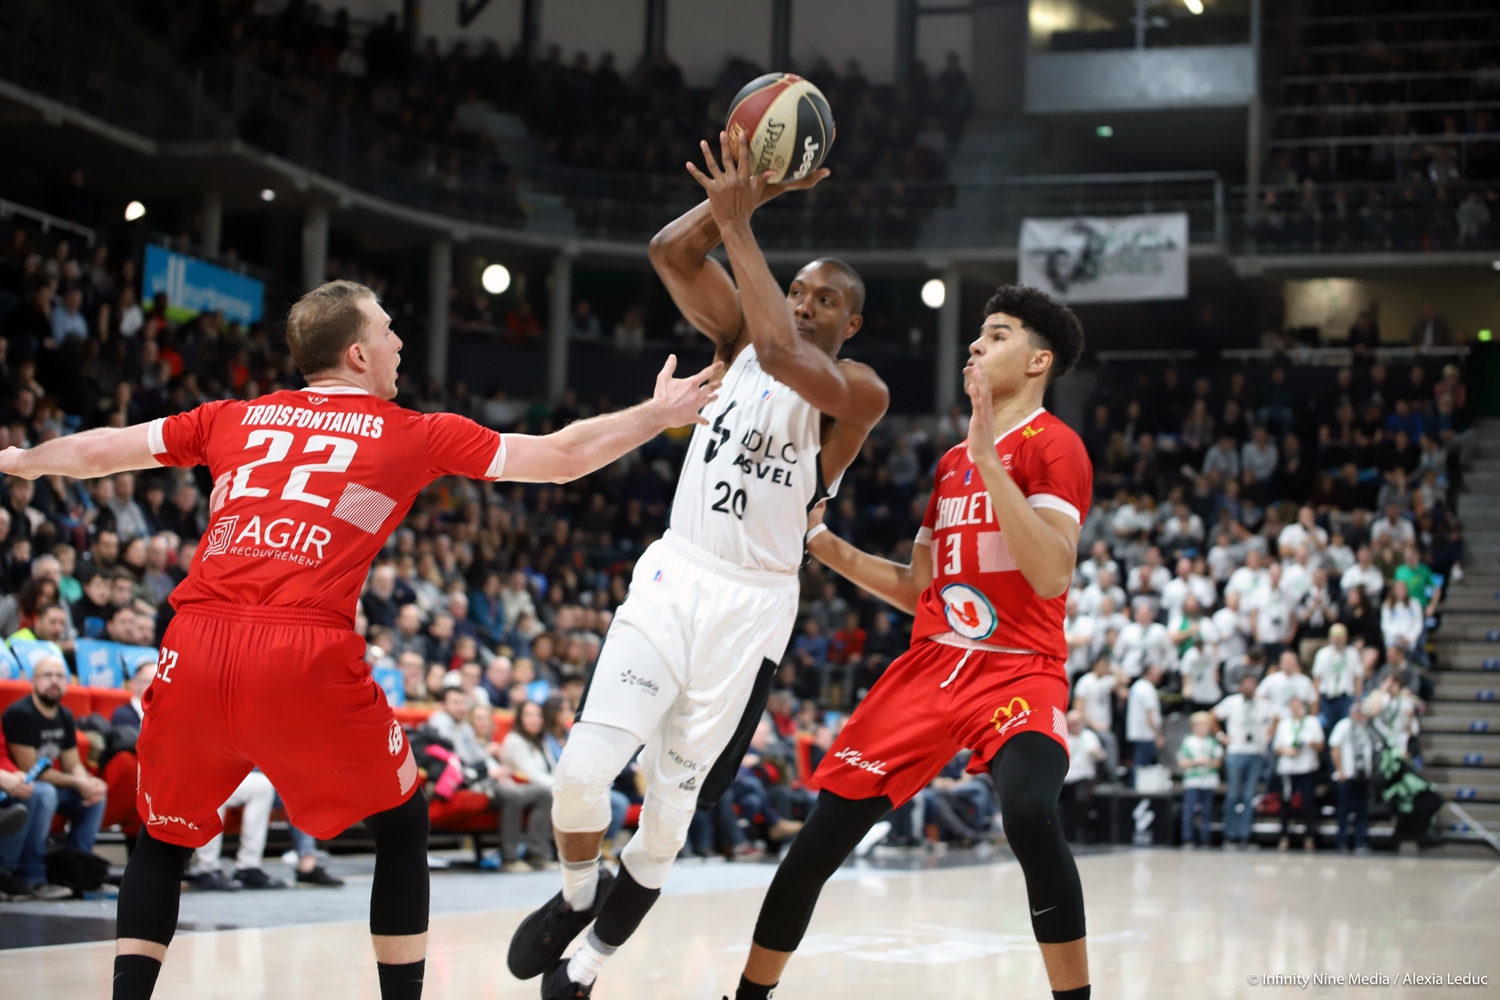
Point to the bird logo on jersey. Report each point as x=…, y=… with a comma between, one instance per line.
x=968, y=611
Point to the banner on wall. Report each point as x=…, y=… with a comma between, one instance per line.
x=1132, y=258
x=195, y=286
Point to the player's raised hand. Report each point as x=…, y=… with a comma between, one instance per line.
x=982, y=419
x=734, y=189
x=680, y=399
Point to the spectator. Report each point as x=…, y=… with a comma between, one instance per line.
x=130, y=714
x=1363, y=575
x=379, y=603
x=40, y=726
x=1200, y=756
x=1298, y=741
x=255, y=797
x=1352, y=747
x=1246, y=735
x=1430, y=330
x=1143, y=720
x=1336, y=672
x=1085, y=754
x=1403, y=620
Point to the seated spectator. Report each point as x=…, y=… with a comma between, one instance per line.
x=1200, y=756
x=256, y=797
x=1363, y=575
x=1403, y=620
x=959, y=806
x=130, y=714
x=1297, y=743
x=1392, y=529
x=40, y=726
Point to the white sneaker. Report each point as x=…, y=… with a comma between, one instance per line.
x=49, y=893
x=877, y=833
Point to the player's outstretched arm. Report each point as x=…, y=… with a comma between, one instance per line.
x=587, y=445
x=699, y=285
x=89, y=455
x=847, y=391
x=1043, y=542
x=897, y=585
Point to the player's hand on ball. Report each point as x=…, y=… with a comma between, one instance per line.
x=734, y=190
x=982, y=419
x=680, y=399
x=773, y=190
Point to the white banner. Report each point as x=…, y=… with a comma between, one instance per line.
x=1126, y=259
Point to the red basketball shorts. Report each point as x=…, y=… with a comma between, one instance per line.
x=932, y=702
x=286, y=690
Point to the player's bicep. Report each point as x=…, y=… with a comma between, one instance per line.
x=530, y=459
x=1064, y=525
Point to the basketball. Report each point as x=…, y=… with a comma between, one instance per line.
x=787, y=122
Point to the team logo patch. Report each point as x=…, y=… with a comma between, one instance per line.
x=1031, y=432
x=766, y=394
x=219, y=537
x=395, y=739
x=968, y=611
x=1011, y=714
x=656, y=577
x=317, y=400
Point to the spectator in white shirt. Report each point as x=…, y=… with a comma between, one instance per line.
x=1143, y=717
x=1284, y=684
x=1364, y=574
x=1394, y=527
x=1231, y=633
x=1150, y=577
x=1298, y=741
x=1200, y=678
x=1258, y=457
x=1394, y=709
x=1223, y=558
x=1245, y=737
x=1099, y=558
x=1144, y=643
x=1094, y=695
x=1184, y=529
x=1250, y=579
x=1296, y=574
x=1186, y=582
x=1336, y=671
x=1085, y=753
x=1103, y=586
x=1223, y=458
x=1302, y=532
x=1338, y=557
x=1078, y=633
x=1200, y=756
x=1402, y=619
x=1352, y=747
x=1273, y=616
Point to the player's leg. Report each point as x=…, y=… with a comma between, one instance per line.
x=829, y=836
x=1028, y=772
x=146, y=913
x=399, y=897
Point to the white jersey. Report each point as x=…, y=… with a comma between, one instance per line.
x=751, y=473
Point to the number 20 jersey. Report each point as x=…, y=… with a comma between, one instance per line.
x=751, y=474
x=318, y=479
x=977, y=593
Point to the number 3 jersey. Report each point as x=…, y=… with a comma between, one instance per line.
x=312, y=481
x=977, y=593
x=751, y=474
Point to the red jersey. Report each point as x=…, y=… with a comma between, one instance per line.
x=977, y=592
x=320, y=478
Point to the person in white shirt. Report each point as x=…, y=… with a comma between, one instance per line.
x=1317, y=609
x=1150, y=577
x=1107, y=618
x=1250, y=580
x=1143, y=717
x=1352, y=747
x=1273, y=615
x=1103, y=586
x=1183, y=529
x=1394, y=709
x=1402, y=618
x=1144, y=643
x=1338, y=557
x=1298, y=740
x=1246, y=732
x=1336, y=671
x=1188, y=624
x=1223, y=559
x=1393, y=527
x=1200, y=756
x=1188, y=581
x=1283, y=685
x=1296, y=574
x=1364, y=574
x=1302, y=532
x=1094, y=696
x=1200, y=678
x=1078, y=633
x=1085, y=753
x=1099, y=558
x=523, y=753
x=1231, y=632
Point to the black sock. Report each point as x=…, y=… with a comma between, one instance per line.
x=401, y=982
x=753, y=991
x=135, y=976
x=624, y=910
x=1081, y=993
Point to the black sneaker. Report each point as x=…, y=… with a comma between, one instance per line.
x=539, y=942
x=12, y=818
x=212, y=881
x=318, y=876
x=255, y=878
x=557, y=985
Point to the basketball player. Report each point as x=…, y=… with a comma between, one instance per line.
x=261, y=666
x=987, y=584
x=687, y=664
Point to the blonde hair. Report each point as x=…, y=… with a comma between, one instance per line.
x=1203, y=717
x=323, y=323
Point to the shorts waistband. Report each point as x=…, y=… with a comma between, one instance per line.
x=723, y=567
x=954, y=639
x=274, y=615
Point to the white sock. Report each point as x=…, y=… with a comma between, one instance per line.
x=580, y=880
x=584, y=966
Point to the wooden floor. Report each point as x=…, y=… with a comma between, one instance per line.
x=1162, y=924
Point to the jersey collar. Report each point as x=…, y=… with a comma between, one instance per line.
x=1029, y=418
x=343, y=390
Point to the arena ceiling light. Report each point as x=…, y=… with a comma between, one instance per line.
x=134, y=210
x=934, y=293
x=1193, y=6
x=495, y=278
x=266, y=194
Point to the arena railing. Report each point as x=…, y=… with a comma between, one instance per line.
x=45, y=221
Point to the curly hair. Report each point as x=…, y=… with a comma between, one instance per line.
x=1046, y=319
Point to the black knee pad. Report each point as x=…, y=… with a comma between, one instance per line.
x=151, y=890
x=400, y=892
x=1028, y=774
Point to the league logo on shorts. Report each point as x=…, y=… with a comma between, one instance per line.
x=968, y=611
x=395, y=739
x=220, y=535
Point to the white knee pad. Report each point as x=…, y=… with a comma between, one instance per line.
x=593, y=758
x=663, y=831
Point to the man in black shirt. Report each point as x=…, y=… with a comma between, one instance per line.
x=91, y=611
x=39, y=726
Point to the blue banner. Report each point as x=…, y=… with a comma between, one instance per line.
x=98, y=663
x=29, y=651
x=194, y=286
x=392, y=683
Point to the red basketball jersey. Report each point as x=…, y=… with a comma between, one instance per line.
x=319, y=478
x=977, y=592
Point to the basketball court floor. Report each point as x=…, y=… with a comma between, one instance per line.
x=1163, y=924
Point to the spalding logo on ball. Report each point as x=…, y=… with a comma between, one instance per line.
x=788, y=124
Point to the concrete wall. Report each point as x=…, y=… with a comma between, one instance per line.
x=840, y=30
x=702, y=35
x=937, y=35
x=1140, y=80
x=1470, y=303
x=500, y=21
x=618, y=26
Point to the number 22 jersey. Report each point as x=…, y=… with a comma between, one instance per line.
x=318, y=479
x=977, y=593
